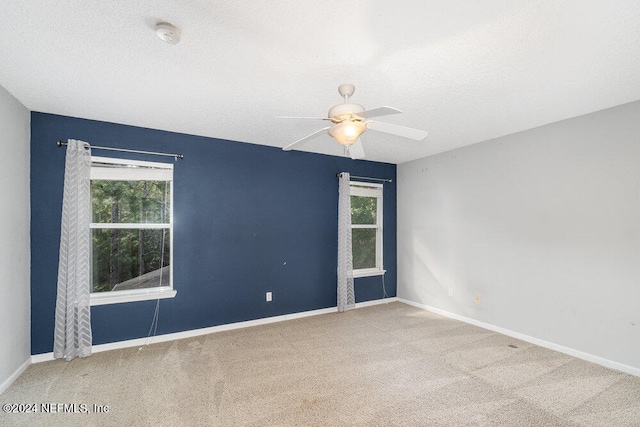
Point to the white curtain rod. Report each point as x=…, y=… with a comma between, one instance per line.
x=339, y=175
x=176, y=156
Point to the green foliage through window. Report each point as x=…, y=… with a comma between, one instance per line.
x=366, y=231
x=363, y=210
x=130, y=201
x=125, y=259
x=363, y=243
x=130, y=236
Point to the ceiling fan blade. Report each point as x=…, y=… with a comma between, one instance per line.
x=305, y=139
x=377, y=112
x=356, y=150
x=402, y=131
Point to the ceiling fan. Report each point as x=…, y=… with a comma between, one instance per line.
x=348, y=123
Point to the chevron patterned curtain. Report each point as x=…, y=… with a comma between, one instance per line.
x=72, y=337
x=346, y=294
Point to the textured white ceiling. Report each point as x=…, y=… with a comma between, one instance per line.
x=464, y=70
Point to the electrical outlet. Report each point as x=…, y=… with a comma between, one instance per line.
x=269, y=296
x=450, y=292
x=477, y=299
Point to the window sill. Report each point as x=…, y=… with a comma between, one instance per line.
x=368, y=272
x=131, y=296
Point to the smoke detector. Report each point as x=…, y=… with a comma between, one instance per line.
x=168, y=33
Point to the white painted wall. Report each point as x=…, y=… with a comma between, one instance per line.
x=543, y=225
x=15, y=345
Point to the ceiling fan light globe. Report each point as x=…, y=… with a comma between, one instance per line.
x=347, y=132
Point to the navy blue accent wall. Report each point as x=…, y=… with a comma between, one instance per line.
x=247, y=219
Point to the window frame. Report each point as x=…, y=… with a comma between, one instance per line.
x=160, y=172
x=372, y=190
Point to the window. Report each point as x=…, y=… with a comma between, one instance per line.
x=366, y=228
x=131, y=230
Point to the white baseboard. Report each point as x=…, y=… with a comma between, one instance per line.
x=376, y=302
x=44, y=357
x=552, y=346
x=6, y=383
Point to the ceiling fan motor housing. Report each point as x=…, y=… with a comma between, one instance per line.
x=341, y=110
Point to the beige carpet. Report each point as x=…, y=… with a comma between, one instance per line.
x=389, y=364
